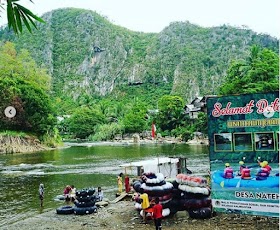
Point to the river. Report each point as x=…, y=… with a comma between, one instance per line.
x=83, y=166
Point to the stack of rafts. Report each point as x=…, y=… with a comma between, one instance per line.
x=84, y=203
x=192, y=194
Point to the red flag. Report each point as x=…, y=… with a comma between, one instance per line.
x=153, y=130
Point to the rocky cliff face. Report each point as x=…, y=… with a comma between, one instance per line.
x=87, y=55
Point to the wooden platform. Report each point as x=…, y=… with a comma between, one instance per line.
x=121, y=196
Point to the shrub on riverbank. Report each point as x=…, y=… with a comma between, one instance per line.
x=106, y=132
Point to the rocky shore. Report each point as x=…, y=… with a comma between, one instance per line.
x=123, y=215
x=18, y=144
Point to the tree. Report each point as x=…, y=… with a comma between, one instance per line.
x=24, y=86
x=33, y=106
x=170, y=112
x=83, y=121
x=200, y=124
x=135, y=119
x=18, y=15
x=21, y=65
x=258, y=73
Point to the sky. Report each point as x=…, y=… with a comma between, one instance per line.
x=261, y=16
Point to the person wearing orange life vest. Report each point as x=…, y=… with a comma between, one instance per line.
x=246, y=173
x=267, y=166
x=264, y=171
x=241, y=167
x=228, y=171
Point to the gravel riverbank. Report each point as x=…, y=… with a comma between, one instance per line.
x=123, y=215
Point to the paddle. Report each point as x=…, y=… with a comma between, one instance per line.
x=238, y=183
x=253, y=166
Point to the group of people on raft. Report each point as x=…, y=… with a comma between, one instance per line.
x=245, y=172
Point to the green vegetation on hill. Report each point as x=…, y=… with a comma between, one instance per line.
x=112, y=80
x=191, y=59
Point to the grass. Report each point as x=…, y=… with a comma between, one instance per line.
x=10, y=133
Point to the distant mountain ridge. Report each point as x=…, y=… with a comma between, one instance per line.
x=87, y=55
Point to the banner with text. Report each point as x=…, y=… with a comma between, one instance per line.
x=243, y=135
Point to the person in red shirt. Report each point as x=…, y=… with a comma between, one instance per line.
x=126, y=184
x=67, y=192
x=157, y=214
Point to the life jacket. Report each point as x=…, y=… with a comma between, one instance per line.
x=228, y=172
x=241, y=168
x=246, y=173
x=268, y=168
x=263, y=172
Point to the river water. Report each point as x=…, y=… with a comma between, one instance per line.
x=92, y=165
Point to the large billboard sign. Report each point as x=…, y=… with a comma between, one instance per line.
x=244, y=153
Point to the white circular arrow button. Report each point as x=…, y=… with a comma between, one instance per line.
x=10, y=112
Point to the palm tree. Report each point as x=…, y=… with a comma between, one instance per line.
x=18, y=16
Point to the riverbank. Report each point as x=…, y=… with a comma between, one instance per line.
x=23, y=143
x=131, y=141
x=123, y=215
x=20, y=144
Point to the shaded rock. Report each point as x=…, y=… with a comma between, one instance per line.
x=101, y=203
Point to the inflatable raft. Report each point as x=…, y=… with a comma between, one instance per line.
x=271, y=181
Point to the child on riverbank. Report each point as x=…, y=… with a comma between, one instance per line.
x=99, y=194
x=157, y=214
x=67, y=192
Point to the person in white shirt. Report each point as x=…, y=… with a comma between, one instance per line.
x=99, y=194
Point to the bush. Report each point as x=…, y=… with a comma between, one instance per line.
x=106, y=132
x=83, y=121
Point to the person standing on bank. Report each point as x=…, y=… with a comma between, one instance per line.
x=157, y=214
x=120, y=182
x=41, y=194
x=126, y=184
